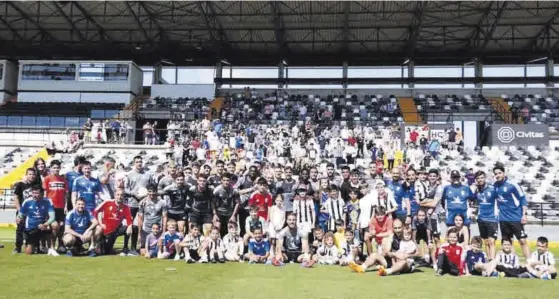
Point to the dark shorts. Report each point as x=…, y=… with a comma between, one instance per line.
x=59, y=215
x=178, y=217
x=292, y=256
x=435, y=230
x=475, y=272
x=512, y=229
x=421, y=235
x=487, y=229
x=33, y=237
x=194, y=254
x=200, y=219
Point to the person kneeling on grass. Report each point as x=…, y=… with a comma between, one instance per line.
x=542, y=262
x=258, y=249
x=449, y=256
x=168, y=243
x=296, y=249
x=81, y=227
x=152, y=242
x=111, y=214
x=192, y=245
x=37, y=214
x=391, y=261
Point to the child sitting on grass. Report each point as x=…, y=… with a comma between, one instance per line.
x=449, y=256
x=152, y=242
x=233, y=243
x=192, y=245
x=327, y=253
x=542, y=262
x=168, y=243
x=258, y=248
x=213, y=249
x=508, y=263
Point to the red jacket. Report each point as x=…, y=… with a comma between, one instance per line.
x=454, y=255
x=113, y=214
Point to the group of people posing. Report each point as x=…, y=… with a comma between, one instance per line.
x=219, y=212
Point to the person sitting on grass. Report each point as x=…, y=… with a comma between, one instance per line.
x=449, y=256
x=327, y=253
x=508, y=262
x=318, y=239
x=233, y=243
x=405, y=253
x=295, y=244
x=192, y=245
x=476, y=261
x=168, y=243
x=253, y=222
x=37, y=214
x=258, y=248
x=152, y=241
x=350, y=249
x=380, y=228
x=389, y=254
x=81, y=227
x=542, y=262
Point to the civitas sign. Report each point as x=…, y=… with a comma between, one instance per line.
x=529, y=134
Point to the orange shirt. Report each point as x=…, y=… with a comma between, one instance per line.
x=55, y=189
x=380, y=226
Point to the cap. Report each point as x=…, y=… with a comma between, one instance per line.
x=455, y=174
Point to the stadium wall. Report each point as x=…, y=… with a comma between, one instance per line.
x=183, y=90
x=8, y=81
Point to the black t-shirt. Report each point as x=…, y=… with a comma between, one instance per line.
x=451, y=136
x=423, y=141
x=23, y=191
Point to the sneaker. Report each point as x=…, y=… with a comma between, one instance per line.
x=277, y=263
x=91, y=253
x=546, y=276
x=382, y=271
x=439, y=272
x=308, y=264
x=177, y=257
x=69, y=253
x=241, y=261
x=204, y=260
x=132, y=253
x=61, y=249
x=268, y=262
x=494, y=274
x=251, y=262
x=190, y=261
x=52, y=252
x=222, y=260
x=356, y=268
x=124, y=252
x=213, y=261
x=16, y=251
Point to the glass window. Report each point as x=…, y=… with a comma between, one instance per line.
x=72, y=122
x=314, y=72
x=14, y=121
x=256, y=72
x=111, y=113
x=57, y=122
x=83, y=120
x=168, y=74
x=28, y=121
x=49, y=71
x=196, y=75
x=43, y=121
x=556, y=70
x=435, y=72
x=375, y=72
x=148, y=78
x=3, y=121
x=503, y=71
x=116, y=72
x=91, y=71
x=535, y=71
x=98, y=114
x=1, y=71
x=469, y=72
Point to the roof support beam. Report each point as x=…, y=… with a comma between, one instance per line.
x=68, y=20
x=544, y=31
x=415, y=27
x=489, y=34
x=345, y=30
x=478, y=29
x=84, y=12
x=138, y=23
x=213, y=25
x=278, y=28
x=28, y=18
x=153, y=19
x=15, y=33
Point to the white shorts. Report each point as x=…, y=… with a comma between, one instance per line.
x=305, y=227
x=272, y=233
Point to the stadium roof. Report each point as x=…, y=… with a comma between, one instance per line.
x=263, y=33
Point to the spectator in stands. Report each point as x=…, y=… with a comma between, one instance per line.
x=87, y=130
x=525, y=114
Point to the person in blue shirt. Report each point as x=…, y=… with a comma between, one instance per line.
x=258, y=248
x=456, y=196
x=404, y=211
x=486, y=198
x=80, y=226
x=37, y=214
x=71, y=177
x=86, y=187
x=513, y=206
